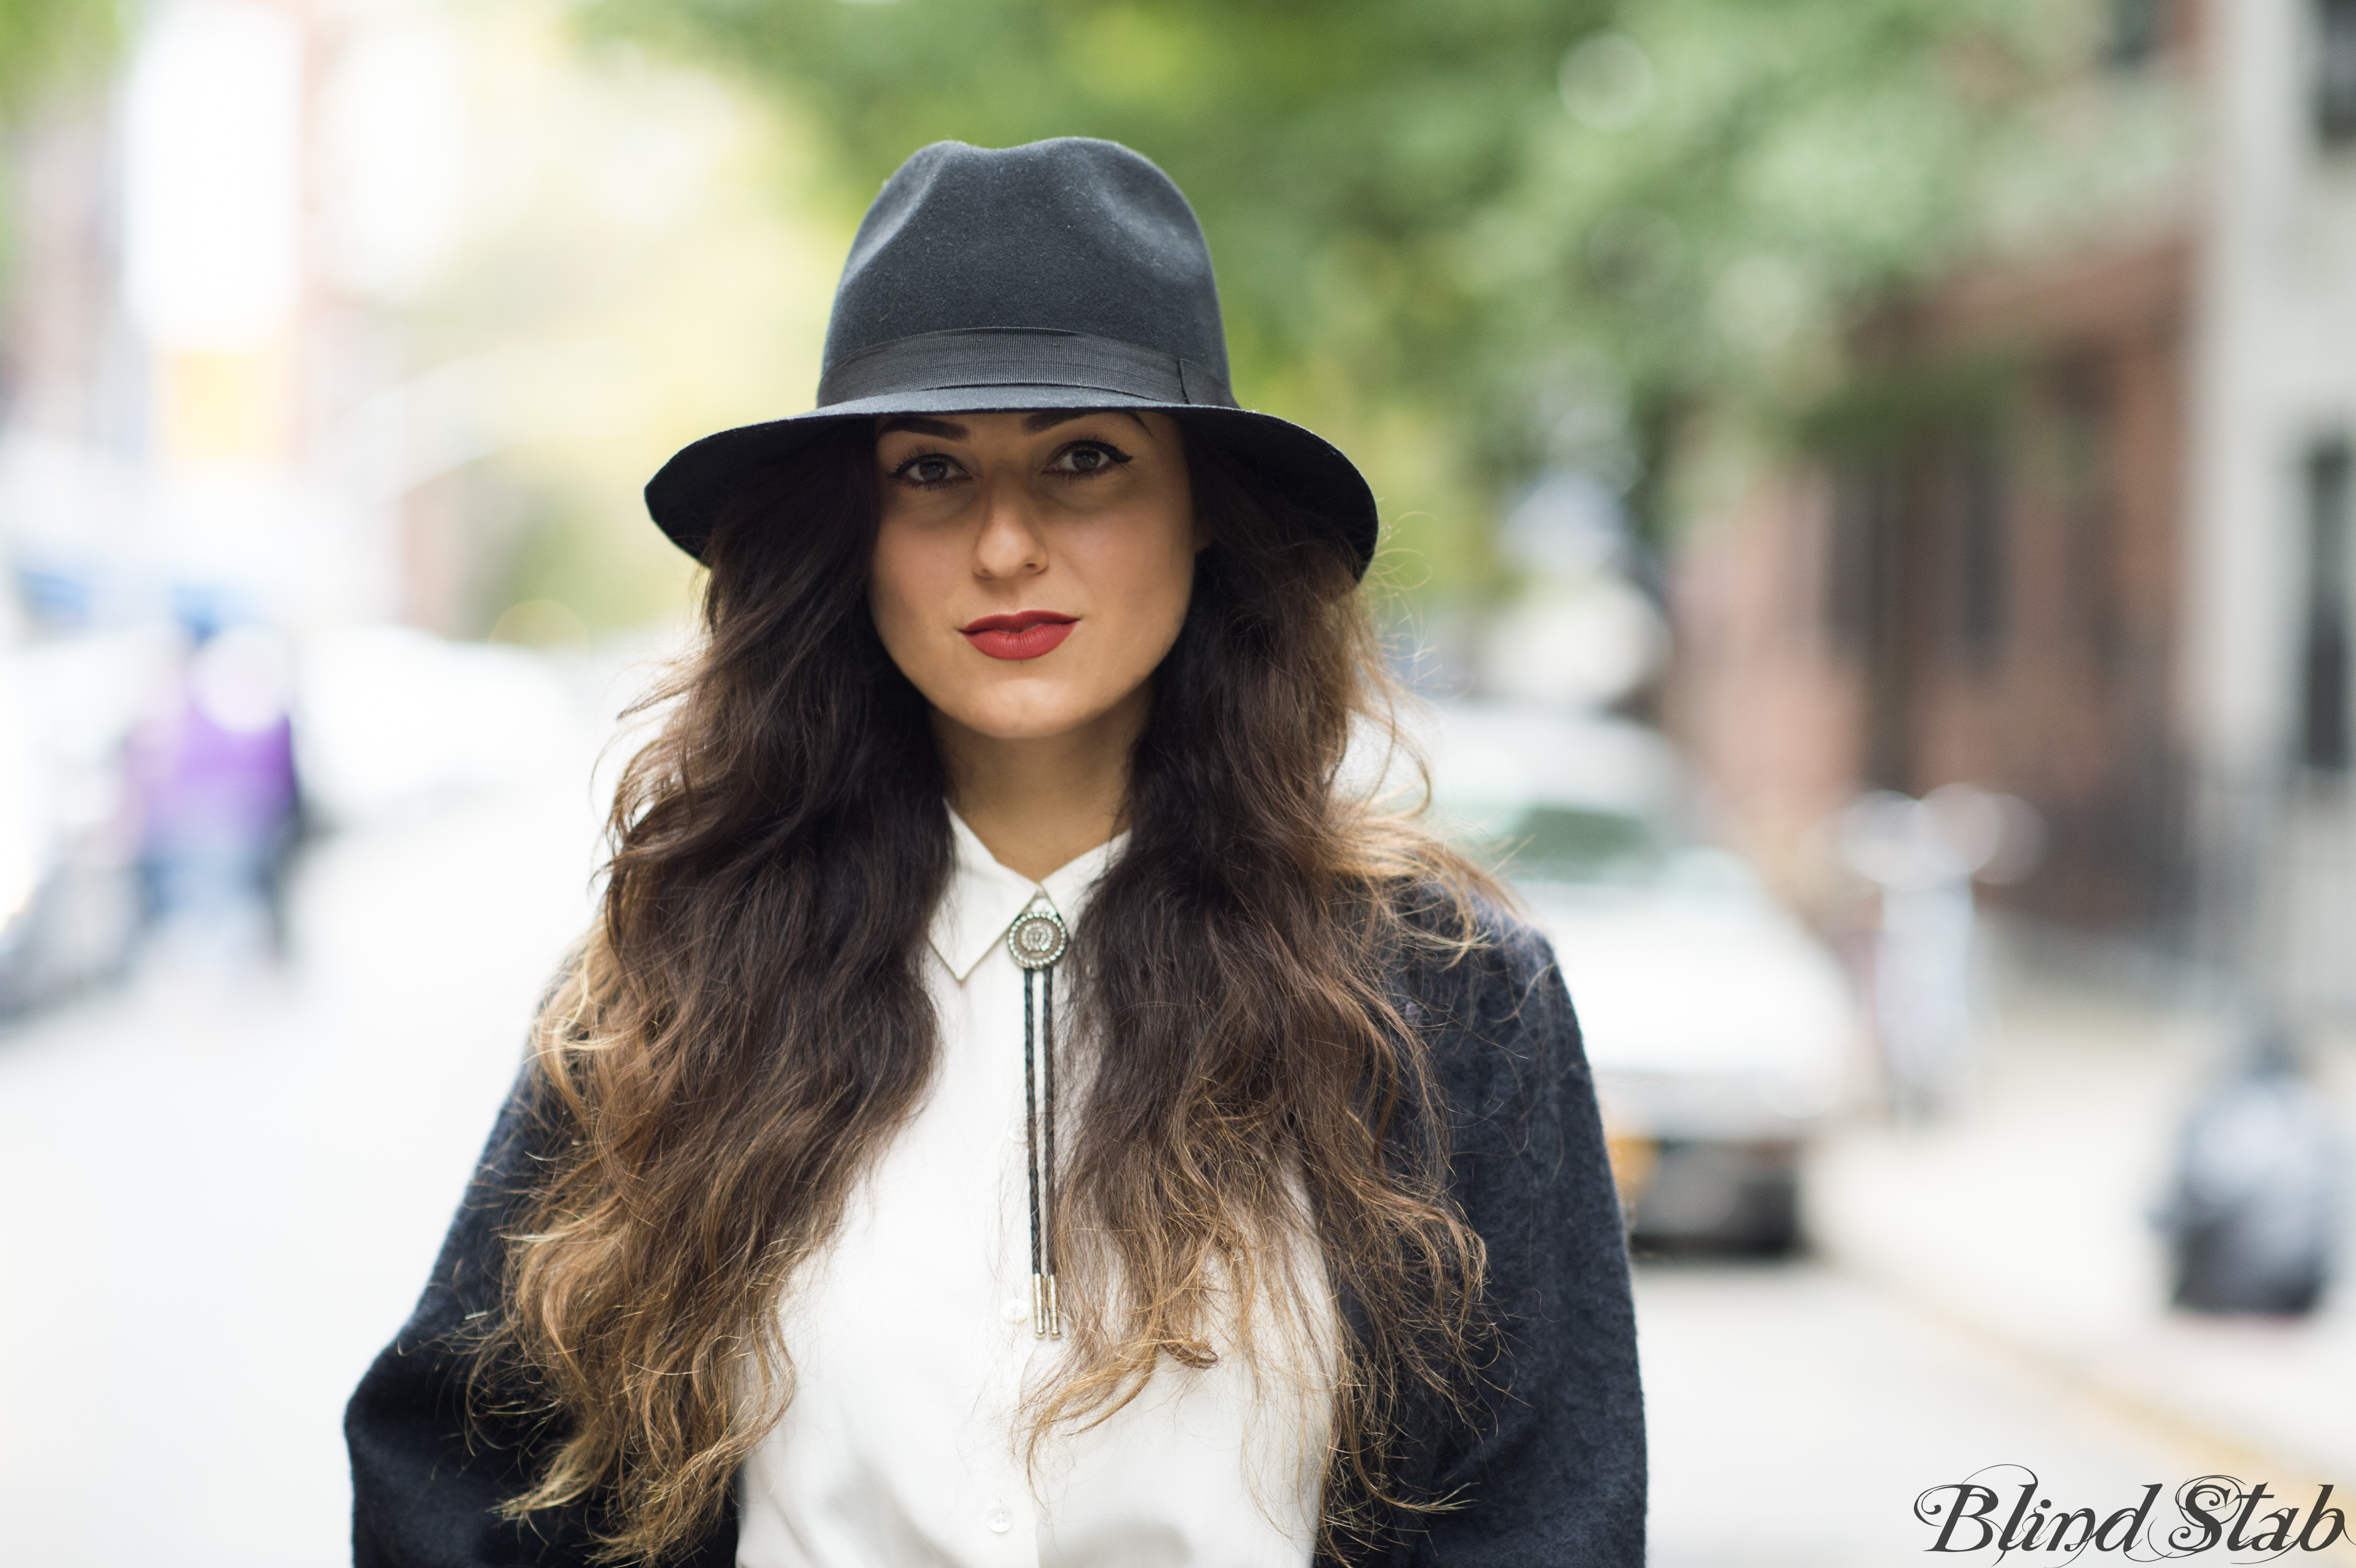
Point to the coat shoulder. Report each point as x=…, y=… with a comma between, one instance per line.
x=1471, y=959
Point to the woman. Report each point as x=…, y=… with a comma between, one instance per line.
x=1012, y=1108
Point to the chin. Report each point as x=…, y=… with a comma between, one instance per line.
x=1037, y=716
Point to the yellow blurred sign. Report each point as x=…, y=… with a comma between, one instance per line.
x=218, y=407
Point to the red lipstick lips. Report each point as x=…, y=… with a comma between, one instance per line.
x=1025, y=635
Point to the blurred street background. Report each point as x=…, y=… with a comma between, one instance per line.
x=1869, y=491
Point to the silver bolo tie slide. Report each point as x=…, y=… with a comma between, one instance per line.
x=1037, y=940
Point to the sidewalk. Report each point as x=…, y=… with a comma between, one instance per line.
x=2022, y=1221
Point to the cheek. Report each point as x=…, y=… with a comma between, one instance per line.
x=1158, y=583
x=897, y=586
x=1173, y=591
x=1183, y=544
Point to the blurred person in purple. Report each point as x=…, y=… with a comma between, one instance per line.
x=212, y=771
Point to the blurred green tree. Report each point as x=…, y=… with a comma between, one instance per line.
x=1479, y=240
x=47, y=47
x=44, y=43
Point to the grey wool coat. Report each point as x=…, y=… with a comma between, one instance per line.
x=1550, y=1471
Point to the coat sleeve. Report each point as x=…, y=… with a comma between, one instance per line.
x=426, y=1481
x=1553, y=1469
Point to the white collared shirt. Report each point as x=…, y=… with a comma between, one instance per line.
x=912, y=1342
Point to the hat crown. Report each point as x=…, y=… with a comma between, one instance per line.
x=1070, y=235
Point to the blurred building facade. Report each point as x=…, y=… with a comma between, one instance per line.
x=2081, y=533
x=181, y=350
x=325, y=317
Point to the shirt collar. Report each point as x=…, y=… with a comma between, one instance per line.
x=984, y=898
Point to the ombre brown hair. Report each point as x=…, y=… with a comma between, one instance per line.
x=747, y=1025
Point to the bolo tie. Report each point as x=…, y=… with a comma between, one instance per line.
x=1037, y=940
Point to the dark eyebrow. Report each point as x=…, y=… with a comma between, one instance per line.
x=948, y=430
x=1048, y=419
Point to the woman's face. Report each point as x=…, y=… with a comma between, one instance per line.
x=1031, y=569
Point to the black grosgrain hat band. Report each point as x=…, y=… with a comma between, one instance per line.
x=1022, y=356
x=1063, y=274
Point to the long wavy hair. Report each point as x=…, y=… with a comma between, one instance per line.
x=747, y=1024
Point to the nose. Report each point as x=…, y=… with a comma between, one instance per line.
x=1010, y=544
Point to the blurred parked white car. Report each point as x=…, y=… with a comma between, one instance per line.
x=1720, y=1030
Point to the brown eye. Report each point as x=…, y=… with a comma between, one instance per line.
x=926, y=470
x=1090, y=457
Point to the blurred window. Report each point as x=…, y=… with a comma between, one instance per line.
x=2139, y=32
x=1875, y=561
x=2082, y=402
x=2323, y=700
x=1865, y=505
x=1981, y=517
x=2335, y=72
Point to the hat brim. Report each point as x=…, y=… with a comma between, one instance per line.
x=687, y=496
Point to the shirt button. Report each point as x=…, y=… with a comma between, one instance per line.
x=1016, y=1309
x=999, y=1521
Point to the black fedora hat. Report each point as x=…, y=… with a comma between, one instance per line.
x=1063, y=274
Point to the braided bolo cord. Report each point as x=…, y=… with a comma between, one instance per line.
x=1039, y=1172
x=1031, y=1142
x=1046, y=1229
